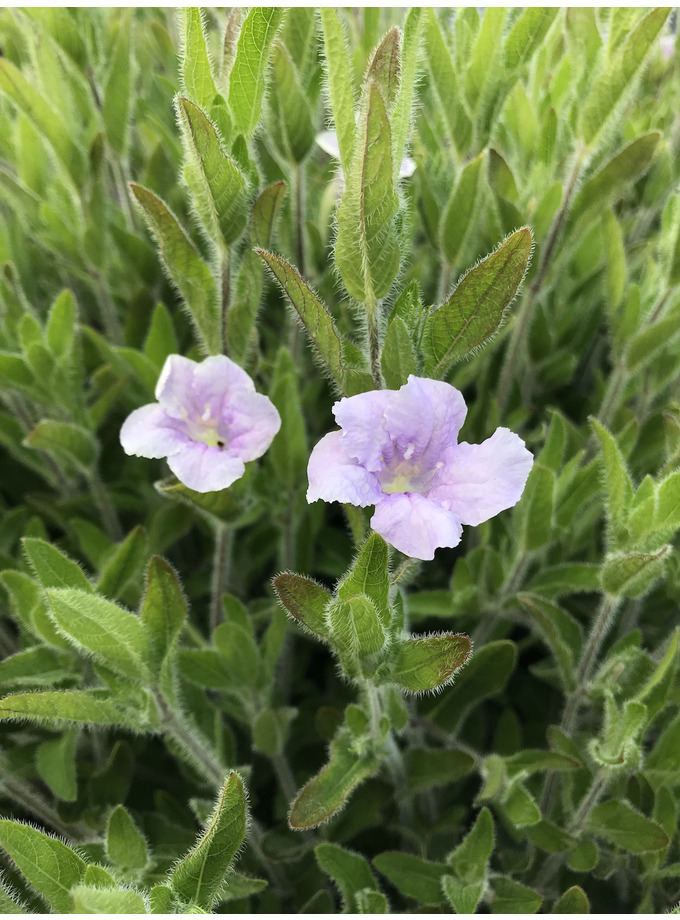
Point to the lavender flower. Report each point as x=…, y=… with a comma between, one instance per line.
x=398, y=450
x=208, y=422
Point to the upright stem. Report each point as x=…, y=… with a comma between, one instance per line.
x=226, y=297
x=29, y=798
x=520, y=332
x=200, y=752
x=220, y=573
x=101, y=497
x=299, y=218
x=373, y=340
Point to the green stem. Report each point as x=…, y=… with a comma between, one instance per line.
x=284, y=775
x=374, y=341
x=101, y=497
x=28, y=797
x=226, y=298
x=199, y=750
x=220, y=573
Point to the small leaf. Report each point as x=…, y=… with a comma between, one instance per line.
x=340, y=84
x=458, y=215
x=432, y=767
x=356, y=628
x=117, y=103
x=446, y=85
x=199, y=876
x=384, y=68
x=125, y=845
x=319, y=324
x=305, y=601
x=526, y=36
x=94, y=900
x=123, y=564
x=430, y=662
x=619, y=487
x=349, y=871
x=476, y=308
x=370, y=576
x=196, y=70
x=512, y=898
x=112, y=635
x=46, y=863
x=188, y=271
x=59, y=706
x=573, y=901
x=72, y=442
x=631, y=574
x=464, y=898
x=397, y=359
x=295, y=128
x=412, y=876
x=247, y=77
x=164, y=609
x=56, y=765
x=471, y=857
x=622, y=826
x=559, y=630
x=54, y=568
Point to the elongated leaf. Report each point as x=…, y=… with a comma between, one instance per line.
x=619, y=488
x=125, y=845
x=72, y=442
x=471, y=857
x=188, y=271
x=217, y=183
x=124, y=563
x=370, y=576
x=431, y=767
x=476, y=308
x=46, y=120
x=561, y=633
x=199, y=876
x=512, y=898
x=384, y=68
x=247, y=77
x=340, y=84
x=305, y=601
x=526, y=35
x=366, y=249
x=319, y=324
x=91, y=899
x=631, y=574
x=445, y=83
x=414, y=877
x=56, y=763
x=40, y=666
x=53, y=568
x=397, y=359
x=196, y=70
x=164, y=609
x=349, y=871
x=117, y=102
x=112, y=635
x=293, y=119
x=47, y=864
x=401, y=116
x=610, y=86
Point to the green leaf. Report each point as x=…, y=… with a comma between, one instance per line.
x=458, y=216
x=384, y=68
x=584, y=857
x=199, y=876
x=422, y=664
x=412, y=876
x=205, y=667
x=59, y=706
x=289, y=452
x=125, y=845
x=356, y=629
x=526, y=36
x=662, y=669
x=247, y=77
x=112, y=635
x=464, y=898
x=54, y=568
x=238, y=648
x=66, y=440
x=520, y=808
x=46, y=120
x=196, y=70
x=89, y=899
x=470, y=859
x=246, y=298
x=619, y=824
x=397, y=358
x=237, y=886
x=35, y=667
x=566, y=578
x=615, y=178
x=340, y=83
x=512, y=898
x=649, y=341
x=325, y=794
x=117, y=101
x=319, y=324
x=631, y=574
x=559, y=630
x=609, y=88
x=371, y=902
x=476, y=308
x=56, y=763
x=164, y=609
x=370, y=576
x=401, y=116
x=295, y=129
x=486, y=674
x=662, y=765
x=305, y=600
x=529, y=761
x=61, y=324
x=573, y=901
x=366, y=249
x=123, y=564
x=619, y=487
x=47, y=864
x=429, y=768
x=349, y=871
x=539, y=496
x=446, y=85
x=188, y=271
x=217, y=183
x=232, y=506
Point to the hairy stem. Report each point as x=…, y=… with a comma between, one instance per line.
x=226, y=298
x=199, y=749
x=220, y=573
x=29, y=798
x=101, y=497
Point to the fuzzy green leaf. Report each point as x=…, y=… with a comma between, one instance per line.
x=397, y=359
x=305, y=600
x=54, y=568
x=125, y=845
x=196, y=70
x=425, y=664
x=622, y=826
x=349, y=871
x=412, y=876
x=370, y=576
x=90, y=899
x=247, y=77
x=340, y=84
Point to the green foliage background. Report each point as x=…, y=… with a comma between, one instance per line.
x=161, y=191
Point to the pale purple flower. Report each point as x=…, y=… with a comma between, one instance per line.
x=398, y=450
x=208, y=421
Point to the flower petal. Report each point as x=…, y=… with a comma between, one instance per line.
x=174, y=390
x=335, y=477
x=364, y=437
x=205, y=469
x=252, y=423
x=479, y=481
x=424, y=417
x=151, y=432
x=415, y=525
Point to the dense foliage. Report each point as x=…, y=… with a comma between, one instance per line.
x=222, y=701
